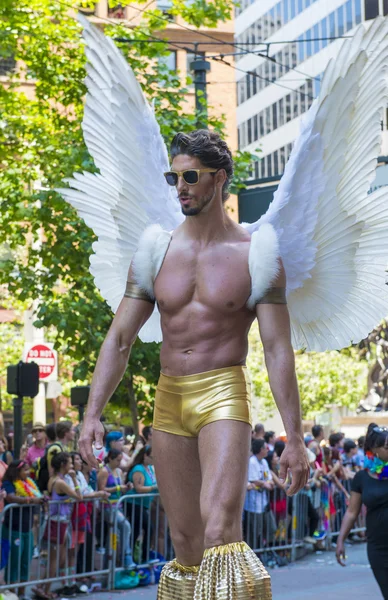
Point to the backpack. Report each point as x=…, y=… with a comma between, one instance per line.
x=42, y=471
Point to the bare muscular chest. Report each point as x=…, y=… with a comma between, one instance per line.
x=217, y=277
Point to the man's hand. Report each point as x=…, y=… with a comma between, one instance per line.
x=92, y=431
x=294, y=459
x=340, y=553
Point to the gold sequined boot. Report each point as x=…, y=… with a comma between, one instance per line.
x=232, y=572
x=177, y=582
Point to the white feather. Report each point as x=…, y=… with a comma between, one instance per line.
x=263, y=262
x=332, y=235
x=129, y=193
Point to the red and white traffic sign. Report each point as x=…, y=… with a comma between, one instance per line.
x=45, y=356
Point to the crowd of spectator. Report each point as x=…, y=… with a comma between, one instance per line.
x=57, y=499
x=322, y=503
x=51, y=469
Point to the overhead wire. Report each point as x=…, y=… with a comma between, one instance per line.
x=252, y=73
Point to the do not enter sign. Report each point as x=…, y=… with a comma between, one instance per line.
x=45, y=357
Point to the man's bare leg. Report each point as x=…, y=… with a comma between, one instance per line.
x=229, y=568
x=178, y=474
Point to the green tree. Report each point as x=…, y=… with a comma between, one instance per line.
x=41, y=144
x=324, y=378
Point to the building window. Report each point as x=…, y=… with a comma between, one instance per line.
x=385, y=7
x=7, y=65
x=116, y=11
x=371, y=9
x=169, y=61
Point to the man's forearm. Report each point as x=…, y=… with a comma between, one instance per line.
x=282, y=378
x=110, y=368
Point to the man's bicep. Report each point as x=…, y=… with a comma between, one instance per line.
x=272, y=312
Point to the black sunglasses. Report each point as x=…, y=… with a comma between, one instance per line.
x=190, y=176
x=380, y=429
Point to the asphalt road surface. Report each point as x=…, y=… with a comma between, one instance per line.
x=316, y=576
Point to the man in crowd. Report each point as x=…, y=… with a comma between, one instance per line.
x=258, y=432
x=38, y=447
x=349, y=459
x=269, y=437
x=315, y=444
x=258, y=519
x=360, y=457
x=147, y=435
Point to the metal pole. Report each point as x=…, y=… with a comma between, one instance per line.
x=18, y=424
x=81, y=412
x=200, y=67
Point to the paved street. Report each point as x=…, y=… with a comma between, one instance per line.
x=315, y=576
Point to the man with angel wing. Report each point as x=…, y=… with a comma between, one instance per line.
x=311, y=270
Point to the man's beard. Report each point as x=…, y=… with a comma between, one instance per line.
x=191, y=211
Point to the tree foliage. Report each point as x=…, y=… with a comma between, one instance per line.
x=41, y=144
x=324, y=378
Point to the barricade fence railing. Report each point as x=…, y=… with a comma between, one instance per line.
x=67, y=542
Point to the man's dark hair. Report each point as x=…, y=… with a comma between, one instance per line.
x=349, y=445
x=209, y=148
x=335, y=439
x=268, y=435
x=316, y=430
x=361, y=442
x=146, y=432
x=51, y=432
x=257, y=446
x=279, y=447
x=62, y=428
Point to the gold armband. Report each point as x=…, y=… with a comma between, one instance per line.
x=275, y=295
x=134, y=291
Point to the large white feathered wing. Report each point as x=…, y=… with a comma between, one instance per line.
x=130, y=192
x=333, y=235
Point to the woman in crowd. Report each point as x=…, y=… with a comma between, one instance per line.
x=17, y=528
x=62, y=487
x=110, y=480
x=5, y=454
x=115, y=441
x=278, y=498
x=142, y=476
x=370, y=487
x=81, y=547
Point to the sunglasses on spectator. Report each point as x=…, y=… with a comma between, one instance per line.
x=190, y=176
x=37, y=430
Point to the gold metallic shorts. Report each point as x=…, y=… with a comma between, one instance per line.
x=183, y=405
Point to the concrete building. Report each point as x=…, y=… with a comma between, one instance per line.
x=292, y=37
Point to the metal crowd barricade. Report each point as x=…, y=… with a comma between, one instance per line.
x=71, y=539
x=339, y=504
x=101, y=539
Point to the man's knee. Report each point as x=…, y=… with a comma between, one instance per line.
x=188, y=545
x=223, y=525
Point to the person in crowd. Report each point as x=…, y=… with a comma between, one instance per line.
x=81, y=547
x=51, y=432
x=278, y=497
x=115, y=441
x=259, y=522
x=360, y=456
x=269, y=437
x=3, y=493
x=142, y=476
x=309, y=506
x=336, y=441
x=146, y=434
x=258, y=432
x=279, y=447
x=17, y=528
x=349, y=459
x=58, y=530
x=333, y=472
x=65, y=434
x=370, y=487
x=110, y=480
x=315, y=443
x=5, y=453
x=37, y=449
